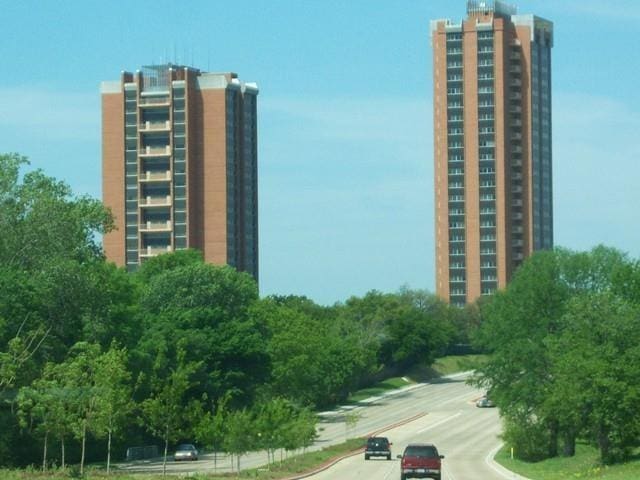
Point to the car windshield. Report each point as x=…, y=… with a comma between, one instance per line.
x=421, y=451
x=185, y=447
x=377, y=442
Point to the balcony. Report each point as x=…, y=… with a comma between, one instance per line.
x=515, y=69
x=155, y=201
x=155, y=126
x=154, y=102
x=515, y=83
x=516, y=136
x=516, y=149
x=516, y=123
x=155, y=151
x=515, y=109
x=156, y=176
x=156, y=226
x=154, y=251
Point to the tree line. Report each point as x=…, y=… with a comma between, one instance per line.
x=564, y=344
x=94, y=359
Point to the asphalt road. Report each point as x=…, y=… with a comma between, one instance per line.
x=443, y=413
x=465, y=434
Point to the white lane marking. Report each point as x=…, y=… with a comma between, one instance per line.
x=391, y=471
x=444, y=420
x=499, y=469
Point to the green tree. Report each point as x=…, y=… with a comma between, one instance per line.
x=206, y=308
x=596, y=365
x=47, y=232
x=164, y=411
x=301, y=432
x=211, y=429
x=38, y=409
x=80, y=378
x=239, y=438
x=41, y=221
x=272, y=420
x=516, y=323
x=164, y=263
x=47, y=407
x=312, y=362
x=115, y=404
x=554, y=343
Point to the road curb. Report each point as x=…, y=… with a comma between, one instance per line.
x=501, y=470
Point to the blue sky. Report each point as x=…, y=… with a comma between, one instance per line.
x=345, y=129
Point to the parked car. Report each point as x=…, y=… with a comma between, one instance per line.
x=421, y=460
x=377, y=447
x=485, y=402
x=186, y=451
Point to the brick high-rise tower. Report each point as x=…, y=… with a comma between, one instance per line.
x=179, y=158
x=492, y=147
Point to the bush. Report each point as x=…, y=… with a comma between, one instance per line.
x=529, y=440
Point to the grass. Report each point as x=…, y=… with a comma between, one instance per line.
x=445, y=366
x=379, y=388
x=441, y=367
x=289, y=467
x=454, y=364
x=583, y=466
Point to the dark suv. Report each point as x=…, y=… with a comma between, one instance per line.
x=377, y=447
x=421, y=460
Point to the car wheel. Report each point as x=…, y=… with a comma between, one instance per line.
x=403, y=476
x=389, y=457
x=366, y=457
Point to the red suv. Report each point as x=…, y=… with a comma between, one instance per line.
x=421, y=460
